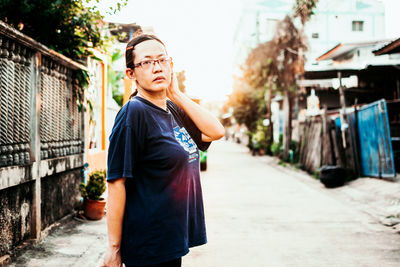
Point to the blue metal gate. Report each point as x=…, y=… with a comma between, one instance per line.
x=376, y=154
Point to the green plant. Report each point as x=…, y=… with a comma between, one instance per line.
x=71, y=27
x=115, y=77
x=95, y=186
x=316, y=174
x=282, y=163
x=275, y=149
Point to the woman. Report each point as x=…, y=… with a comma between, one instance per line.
x=155, y=207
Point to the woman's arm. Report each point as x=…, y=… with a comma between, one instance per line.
x=115, y=214
x=210, y=127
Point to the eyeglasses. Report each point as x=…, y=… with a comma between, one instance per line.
x=147, y=64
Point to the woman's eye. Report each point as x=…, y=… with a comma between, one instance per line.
x=146, y=63
x=162, y=60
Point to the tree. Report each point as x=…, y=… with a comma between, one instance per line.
x=248, y=104
x=259, y=72
x=293, y=43
x=275, y=65
x=70, y=27
x=290, y=63
x=304, y=9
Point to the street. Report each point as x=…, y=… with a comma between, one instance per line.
x=124, y=94
x=257, y=214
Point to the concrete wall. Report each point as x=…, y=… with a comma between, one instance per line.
x=15, y=215
x=60, y=194
x=41, y=138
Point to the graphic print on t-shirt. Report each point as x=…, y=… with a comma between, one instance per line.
x=184, y=139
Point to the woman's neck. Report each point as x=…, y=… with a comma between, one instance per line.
x=157, y=98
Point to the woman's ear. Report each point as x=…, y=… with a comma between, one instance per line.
x=130, y=73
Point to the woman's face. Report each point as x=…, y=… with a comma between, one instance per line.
x=156, y=76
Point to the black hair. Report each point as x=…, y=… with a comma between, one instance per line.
x=130, y=47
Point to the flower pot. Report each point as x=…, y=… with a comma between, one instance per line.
x=94, y=209
x=332, y=176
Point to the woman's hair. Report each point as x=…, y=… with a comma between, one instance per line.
x=130, y=47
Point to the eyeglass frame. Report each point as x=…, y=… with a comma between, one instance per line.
x=153, y=62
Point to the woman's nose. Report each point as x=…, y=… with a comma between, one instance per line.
x=156, y=65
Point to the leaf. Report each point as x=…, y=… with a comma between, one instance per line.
x=96, y=58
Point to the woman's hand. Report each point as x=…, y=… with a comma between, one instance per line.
x=209, y=126
x=112, y=258
x=173, y=90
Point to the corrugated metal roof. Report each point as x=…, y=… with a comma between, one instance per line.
x=342, y=50
x=389, y=48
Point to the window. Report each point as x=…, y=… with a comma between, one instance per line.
x=315, y=35
x=358, y=26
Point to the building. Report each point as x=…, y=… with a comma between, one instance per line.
x=100, y=119
x=392, y=49
x=126, y=32
x=359, y=83
x=366, y=74
x=334, y=21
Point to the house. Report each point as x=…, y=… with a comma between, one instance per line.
x=363, y=76
x=355, y=20
x=359, y=85
x=100, y=120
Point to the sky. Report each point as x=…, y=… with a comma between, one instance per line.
x=199, y=34
x=392, y=19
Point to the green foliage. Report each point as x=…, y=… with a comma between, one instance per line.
x=95, y=186
x=304, y=9
x=80, y=80
x=315, y=174
x=277, y=148
x=282, y=163
x=260, y=136
x=118, y=97
x=274, y=66
x=70, y=27
x=248, y=105
x=114, y=78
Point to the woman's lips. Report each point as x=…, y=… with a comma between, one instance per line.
x=159, y=79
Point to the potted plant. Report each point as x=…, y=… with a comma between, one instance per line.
x=91, y=192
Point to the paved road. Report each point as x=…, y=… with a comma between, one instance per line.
x=259, y=215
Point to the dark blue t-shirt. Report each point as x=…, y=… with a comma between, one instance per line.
x=157, y=151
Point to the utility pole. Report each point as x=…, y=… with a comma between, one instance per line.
x=258, y=27
x=343, y=119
